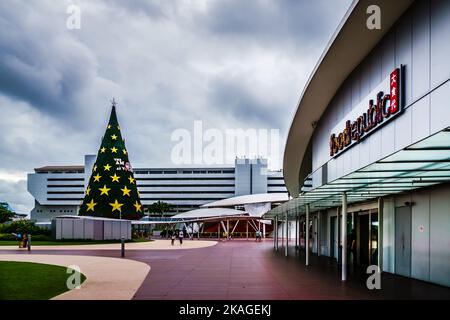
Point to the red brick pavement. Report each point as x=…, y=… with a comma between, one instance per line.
x=241, y=269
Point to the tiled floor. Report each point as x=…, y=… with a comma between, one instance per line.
x=241, y=269
x=247, y=270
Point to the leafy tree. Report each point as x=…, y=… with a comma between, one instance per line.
x=5, y=214
x=159, y=207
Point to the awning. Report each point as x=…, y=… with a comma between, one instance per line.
x=420, y=165
x=248, y=199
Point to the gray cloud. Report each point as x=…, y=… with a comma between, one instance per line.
x=17, y=195
x=41, y=64
x=229, y=63
x=237, y=99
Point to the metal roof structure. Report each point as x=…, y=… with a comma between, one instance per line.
x=422, y=164
x=209, y=213
x=249, y=199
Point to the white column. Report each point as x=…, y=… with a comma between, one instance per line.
x=380, y=234
x=218, y=231
x=307, y=236
x=296, y=231
x=198, y=231
x=275, y=228
x=287, y=235
x=344, y=236
x=247, y=230
x=264, y=230
x=228, y=229
x=319, y=245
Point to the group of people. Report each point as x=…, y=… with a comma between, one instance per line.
x=179, y=235
x=22, y=239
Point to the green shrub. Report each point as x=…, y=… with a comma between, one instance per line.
x=24, y=226
x=41, y=237
x=7, y=236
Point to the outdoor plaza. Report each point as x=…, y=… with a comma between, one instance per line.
x=210, y=270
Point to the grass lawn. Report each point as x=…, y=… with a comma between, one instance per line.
x=67, y=242
x=32, y=281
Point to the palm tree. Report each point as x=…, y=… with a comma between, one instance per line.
x=159, y=207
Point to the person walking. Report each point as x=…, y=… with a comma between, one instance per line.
x=19, y=239
x=180, y=237
x=172, y=237
x=24, y=241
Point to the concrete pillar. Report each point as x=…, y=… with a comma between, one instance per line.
x=287, y=234
x=228, y=229
x=247, y=230
x=307, y=236
x=380, y=234
x=319, y=245
x=275, y=228
x=344, y=236
x=296, y=232
x=218, y=231
x=198, y=231
x=264, y=230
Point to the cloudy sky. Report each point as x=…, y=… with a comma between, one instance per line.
x=228, y=63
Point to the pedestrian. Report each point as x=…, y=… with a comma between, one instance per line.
x=19, y=239
x=173, y=238
x=24, y=241
x=180, y=237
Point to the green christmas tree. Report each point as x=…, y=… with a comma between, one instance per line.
x=112, y=191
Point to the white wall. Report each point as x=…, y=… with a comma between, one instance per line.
x=430, y=234
x=420, y=42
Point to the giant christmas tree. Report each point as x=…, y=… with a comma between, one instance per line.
x=112, y=191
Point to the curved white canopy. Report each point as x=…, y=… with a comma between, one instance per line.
x=209, y=213
x=347, y=48
x=249, y=199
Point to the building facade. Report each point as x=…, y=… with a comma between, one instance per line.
x=376, y=121
x=59, y=190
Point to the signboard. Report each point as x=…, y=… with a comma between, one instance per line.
x=378, y=108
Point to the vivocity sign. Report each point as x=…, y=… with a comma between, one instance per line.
x=365, y=121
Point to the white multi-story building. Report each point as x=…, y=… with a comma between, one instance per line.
x=60, y=189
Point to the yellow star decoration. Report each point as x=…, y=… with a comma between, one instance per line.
x=107, y=167
x=102, y=150
x=97, y=178
x=124, y=151
x=115, y=178
x=116, y=206
x=118, y=127
x=114, y=137
x=126, y=191
x=131, y=179
x=109, y=126
x=104, y=190
x=138, y=206
x=95, y=168
x=114, y=150
x=91, y=205
x=88, y=190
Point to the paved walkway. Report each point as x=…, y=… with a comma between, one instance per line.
x=241, y=269
x=106, y=278
x=149, y=245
